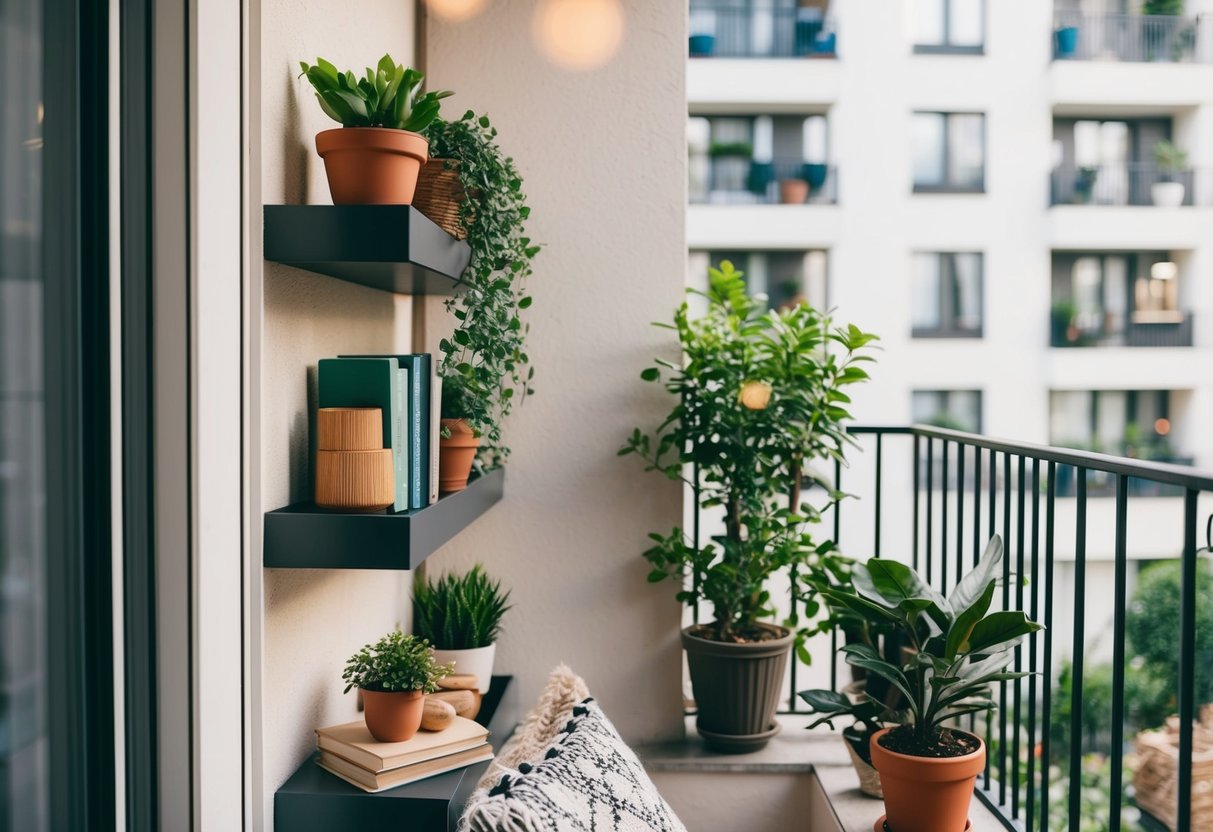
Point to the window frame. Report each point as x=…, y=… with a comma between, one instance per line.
x=947, y=186
x=946, y=47
x=947, y=327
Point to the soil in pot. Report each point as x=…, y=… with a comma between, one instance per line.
x=393, y=716
x=372, y=165
x=928, y=792
x=456, y=454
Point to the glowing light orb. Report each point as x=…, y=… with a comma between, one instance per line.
x=455, y=11
x=579, y=34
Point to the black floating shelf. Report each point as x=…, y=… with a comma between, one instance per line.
x=390, y=247
x=302, y=536
x=313, y=799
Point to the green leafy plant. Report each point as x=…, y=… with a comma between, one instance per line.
x=1170, y=158
x=868, y=715
x=387, y=96
x=1163, y=7
x=957, y=647
x=485, y=366
x=743, y=149
x=759, y=395
x=395, y=663
x=460, y=612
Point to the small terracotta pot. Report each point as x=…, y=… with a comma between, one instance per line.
x=393, y=716
x=456, y=455
x=926, y=794
x=372, y=165
x=793, y=191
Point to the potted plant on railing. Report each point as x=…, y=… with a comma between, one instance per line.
x=394, y=674
x=460, y=615
x=957, y=649
x=485, y=367
x=376, y=154
x=759, y=396
x=1172, y=161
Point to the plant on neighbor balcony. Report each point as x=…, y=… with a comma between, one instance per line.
x=369, y=165
x=1172, y=161
x=1170, y=158
x=394, y=674
x=759, y=397
x=485, y=366
x=461, y=616
x=957, y=648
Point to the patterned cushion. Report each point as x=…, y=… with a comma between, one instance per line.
x=542, y=725
x=587, y=780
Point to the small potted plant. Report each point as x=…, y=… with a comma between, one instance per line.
x=793, y=191
x=1172, y=161
x=376, y=154
x=702, y=40
x=757, y=395
x=394, y=674
x=956, y=649
x=461, y=617
x=869, y=716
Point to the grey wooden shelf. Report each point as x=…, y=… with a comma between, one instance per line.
x=313, y=800
x=302, y=536
x=390, y=247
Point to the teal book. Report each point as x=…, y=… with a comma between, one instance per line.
x=417, y=422
x=372, y=382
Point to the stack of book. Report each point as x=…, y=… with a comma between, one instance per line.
x=350, y=752
x=408, y=391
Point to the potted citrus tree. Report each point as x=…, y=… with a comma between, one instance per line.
x=758, y=396
x=394, y=674
x=460, y=615
x=376, y=154
x=956, y=649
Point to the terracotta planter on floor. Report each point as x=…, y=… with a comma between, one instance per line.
x=393, y=716
x=372, y=165
x=793, y=191
x=456, y=455
x=926, y=794
x=737, y=688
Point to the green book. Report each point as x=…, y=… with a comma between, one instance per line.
x=372, y=382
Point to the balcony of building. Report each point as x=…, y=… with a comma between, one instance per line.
x=782, y=277
x=1080, y=35
x=756, y=29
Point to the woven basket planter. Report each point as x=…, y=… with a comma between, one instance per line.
x=1156, y=780
x=440, y=196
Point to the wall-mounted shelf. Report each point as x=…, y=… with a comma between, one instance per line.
x=313, y=799
x=390, y=247
x=302, y=536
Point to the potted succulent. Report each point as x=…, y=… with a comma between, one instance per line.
x=1172, y=161
x=485, y=368
x=376, y=154
x=957, y=649
x=757, y=395
x=394, y=674
x=461, y=617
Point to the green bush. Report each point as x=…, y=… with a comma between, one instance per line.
x=459, y=613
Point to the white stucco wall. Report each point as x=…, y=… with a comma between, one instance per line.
x=603, y=154
x=310, y=621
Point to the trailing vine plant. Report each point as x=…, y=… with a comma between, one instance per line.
x=485, y=366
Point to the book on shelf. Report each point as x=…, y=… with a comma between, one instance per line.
x=372, y=382
x=371, y=781
x=435, y=428
x=354, y=743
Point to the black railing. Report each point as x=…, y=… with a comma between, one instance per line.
x=738, y=180
x=1015, y=489
x=1130, y=37
x=1129, y=183
x=1172, y=329
x=737, y=30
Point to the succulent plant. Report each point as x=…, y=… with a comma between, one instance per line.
x=387, y=96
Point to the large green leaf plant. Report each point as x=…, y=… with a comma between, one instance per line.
x=386, y=96
x=759, y=396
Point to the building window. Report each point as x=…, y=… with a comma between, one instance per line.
x=947, y=295
x=1133, y=423
x=952, y=409
x=949, y=152
x=949, y=26
x=748, y=159
x=784, y=277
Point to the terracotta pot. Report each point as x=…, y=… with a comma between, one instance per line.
x=393, y=716
x=372, y=165
x=456, y=455
x=737, y=688
x=793, y=191
x=926, y=794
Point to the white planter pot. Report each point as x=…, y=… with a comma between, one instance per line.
x=1167, y=194
x=478, y=662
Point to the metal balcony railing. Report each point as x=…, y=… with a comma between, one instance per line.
x=1153, y=329
x=736, y=30
x=738, y=180
x=1130, y=37
x=1128, y=183
x=1040, y=756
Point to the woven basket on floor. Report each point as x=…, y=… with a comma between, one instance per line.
x=439, y=196
x=1156, y=779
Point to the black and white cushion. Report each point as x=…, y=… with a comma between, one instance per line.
x=588, y=779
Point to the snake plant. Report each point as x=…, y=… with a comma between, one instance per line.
x=459, y=612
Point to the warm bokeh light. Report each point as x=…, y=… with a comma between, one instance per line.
x=1162, y=426
x=455, y=11
x=1164, y=271
x=579, y=34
